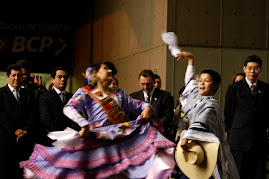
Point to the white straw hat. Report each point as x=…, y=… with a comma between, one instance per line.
x=200, y=161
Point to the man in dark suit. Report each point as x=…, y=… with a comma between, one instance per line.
x=52, y=102
x=30, y=81
x=17, y=115
x=161, y=101
x=246, y=120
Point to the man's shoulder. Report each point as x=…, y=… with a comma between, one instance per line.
x=3, y=88
x=47, y=93
x=237, y=85
x=162, y=92
x=136, y=93
x=262, y=83
x=27, y=91
x=69, y=95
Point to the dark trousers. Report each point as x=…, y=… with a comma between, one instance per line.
x=250, y=164
x=9, y=166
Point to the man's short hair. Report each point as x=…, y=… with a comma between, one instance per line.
x=146, y=73
x=24, y=64
x=53, y=73
x=157, y=76
x=215, y=76
x=253, y=58
x=13, y=67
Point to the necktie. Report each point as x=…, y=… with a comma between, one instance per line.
x=17, y=95
x=148, y=98
x=252, y=89
x=62, y=96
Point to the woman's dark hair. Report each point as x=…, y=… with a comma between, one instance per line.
x=112, y=67
x=237, y=74
x=253, y=58
x=96, y=67
x=215, y=76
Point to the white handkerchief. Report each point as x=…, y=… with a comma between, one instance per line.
x=66, y=138
x=170, y=39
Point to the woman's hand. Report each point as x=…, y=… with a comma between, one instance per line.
x=147, y=113
x=184, y=143
x=85, y=131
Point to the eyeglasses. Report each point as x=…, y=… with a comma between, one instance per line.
x=60, y=77
x=251, y=68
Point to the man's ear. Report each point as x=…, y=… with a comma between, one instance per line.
x=244, y=69
x=216, y=86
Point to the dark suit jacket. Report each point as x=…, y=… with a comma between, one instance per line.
x=162, y=103
x=13, y=116
x=246, y=116
x=51, y=112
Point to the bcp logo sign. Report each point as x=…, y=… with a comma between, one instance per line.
x=38, y=44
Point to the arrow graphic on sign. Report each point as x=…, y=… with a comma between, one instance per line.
x=2, y=44
x=61, y=45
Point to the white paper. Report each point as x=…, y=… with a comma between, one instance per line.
x=170, y=38
x=66, y=138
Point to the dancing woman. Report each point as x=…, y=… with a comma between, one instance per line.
x=112, y=144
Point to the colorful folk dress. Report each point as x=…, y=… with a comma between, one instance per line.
x=115, y=145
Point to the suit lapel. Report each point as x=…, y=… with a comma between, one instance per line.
x=141, y=96
x=155, y=96
x=11, y=96
x=56, y=97
x=68, y=96
x=246, y=87
x=259, y=91
x=22, y=96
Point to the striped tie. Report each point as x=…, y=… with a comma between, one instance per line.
x=252, y=89
x=148, y=98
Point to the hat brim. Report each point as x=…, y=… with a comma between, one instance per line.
x=206, y=169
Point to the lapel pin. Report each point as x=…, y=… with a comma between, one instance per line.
x=259, y=91
x=155, y=99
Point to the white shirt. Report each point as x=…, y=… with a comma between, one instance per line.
x=250, y=84
x=151, y=93
x=59, y=91
x=13, y=90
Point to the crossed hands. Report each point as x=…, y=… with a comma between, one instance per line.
x=20, y=133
